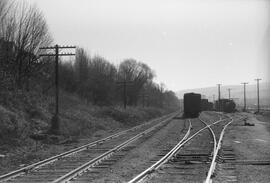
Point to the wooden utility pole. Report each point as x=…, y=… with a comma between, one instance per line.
x=229, y=90
x=124, y=84
x=144, y=98
x=258, y=95
x=55, y=126
x=244, y=83
x=218, y=96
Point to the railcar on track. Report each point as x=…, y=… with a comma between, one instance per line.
x=225, y=105
x=206, y=105
x=192, y=105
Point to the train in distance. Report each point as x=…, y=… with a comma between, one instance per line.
x=194, y=104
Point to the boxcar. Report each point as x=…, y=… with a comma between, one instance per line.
x=192, y=105
x=210, y=106
x=225, y=105
x=204, y=105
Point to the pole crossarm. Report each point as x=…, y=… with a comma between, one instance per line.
x=124, y=82
x=53, y=47
x=60, y=54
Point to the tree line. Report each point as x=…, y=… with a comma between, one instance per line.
x=100, y=82
x=23, y=30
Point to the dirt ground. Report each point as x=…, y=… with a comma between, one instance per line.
x=250, y=143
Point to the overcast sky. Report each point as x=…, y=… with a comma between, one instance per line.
x=189, y=43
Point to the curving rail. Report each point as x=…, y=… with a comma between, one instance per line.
x=163, y=160
x=175, y=150
x=212, y=133
x=213, y=163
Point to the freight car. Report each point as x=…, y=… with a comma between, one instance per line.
x=225, y=105
x=229, y=106
x=210, y=106
x=204, y=105
x=192, y=105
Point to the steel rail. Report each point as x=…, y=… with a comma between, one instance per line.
x=213, y=163
x=169, y=155
x=212, y=133
x=28, y=168
x=78, y=171
x=163, y=160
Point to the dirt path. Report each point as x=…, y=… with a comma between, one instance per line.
x=248, y=143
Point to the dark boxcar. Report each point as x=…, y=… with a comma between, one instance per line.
x=204, y=105
x=226, y=105
x=192, y=105
x=229, y=106
x=210, y=106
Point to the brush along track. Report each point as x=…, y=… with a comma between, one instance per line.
x=192, y=163
x=57, y=166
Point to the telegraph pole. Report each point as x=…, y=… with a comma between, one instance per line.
x=214, y=99
x=124, y=84
x=258, y=95
x=55, y=126
x=218, y=96
x=245, y=105
x=144, y=98
x=229, y=90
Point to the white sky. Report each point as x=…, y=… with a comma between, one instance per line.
x=189, y=43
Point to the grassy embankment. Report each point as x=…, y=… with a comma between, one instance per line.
x=22, y=115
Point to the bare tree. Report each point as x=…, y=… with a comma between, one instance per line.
x=81, y=71
x=102, y=76
x=25, y=27
x=137, y=72
x=31, y=33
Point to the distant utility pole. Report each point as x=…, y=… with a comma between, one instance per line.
x=144, y=98
x=124, y=84
x=245, y=105
x=214, y=98
x=218, y=96
x=229, y=90
x=55, y=127
x=258, y=95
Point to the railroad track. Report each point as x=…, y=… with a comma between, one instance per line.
x=192, y=164
x=70, y=164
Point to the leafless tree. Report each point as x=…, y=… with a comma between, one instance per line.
x=137, y=72
x=102, y=76
x=81, y=71
x=25, y=27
